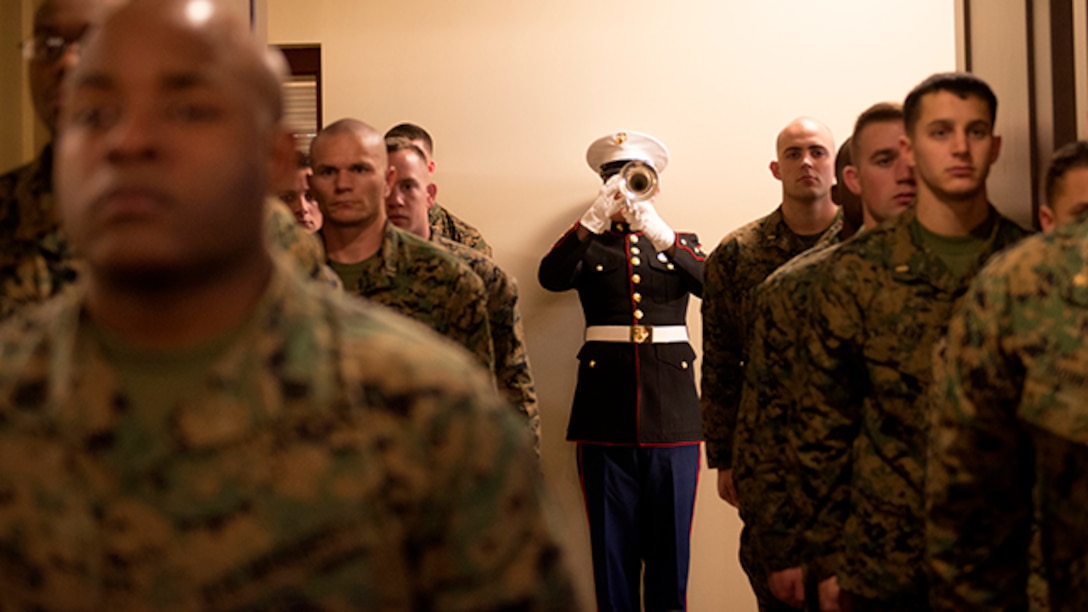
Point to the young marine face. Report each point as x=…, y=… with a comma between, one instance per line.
x=1070, y=199
x=953, y=145
x=166, y=147
x=805, y=164
x=351, y=178
x=411, y=196
x=301, y=201
x=881, y=175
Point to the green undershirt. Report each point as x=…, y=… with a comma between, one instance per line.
x=810, y=240
x=156, y=384
x=958, y=253
x=352, y=274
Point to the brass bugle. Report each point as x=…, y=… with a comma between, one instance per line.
x=638, y=181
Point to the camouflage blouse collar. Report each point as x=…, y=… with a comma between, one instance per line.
x=1071, y=245
x=910, y=260
x=392, y=241
x=282, y=343
x=776, y=233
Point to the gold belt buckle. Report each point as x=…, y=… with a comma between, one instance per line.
x=641, y=334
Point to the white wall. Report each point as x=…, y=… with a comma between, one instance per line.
x=513, y=92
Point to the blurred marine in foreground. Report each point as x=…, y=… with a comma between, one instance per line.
x=196, y=427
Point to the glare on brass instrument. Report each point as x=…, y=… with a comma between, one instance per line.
x=638, y=181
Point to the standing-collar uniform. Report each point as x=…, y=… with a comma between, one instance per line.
x=334, y=456
x=444, y=223
x=630, y=393
x=35, y=259
x=863, y=417
x=425, y=282
x=742, y=260
x=1010, y=426
x=512, y=372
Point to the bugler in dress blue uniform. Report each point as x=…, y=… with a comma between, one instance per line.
x=636, y=412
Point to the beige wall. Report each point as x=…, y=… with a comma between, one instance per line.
x=514, y=92
x=20, y=134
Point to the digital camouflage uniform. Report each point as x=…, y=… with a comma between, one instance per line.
x=512, y=373
x=742, y=261
x=425, y=282
x=36, y=261
x=335, y=456
x=1012, y=417
x=860, y=431
x=446, y=224
x=763, y=462
x=284, y=235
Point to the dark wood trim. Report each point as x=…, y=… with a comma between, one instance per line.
x=1063, y=71
x=967, y=55
x=306, y=60
x=1033, y=110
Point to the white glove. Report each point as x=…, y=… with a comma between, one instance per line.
x=599, y=216
x=642, y=217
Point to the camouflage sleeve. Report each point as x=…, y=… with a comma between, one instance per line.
x=763, y=463
x=721, y=369
x=286, y=238
x=444, y=223
x=488, y=541
x=514, y=376
x=467, y=321
x=977, y=556
x=827, y=416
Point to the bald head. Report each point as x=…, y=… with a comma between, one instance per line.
x=804, y=128
x=213, y=38
x=351, y=181
x=368, y=137
x=805, y=161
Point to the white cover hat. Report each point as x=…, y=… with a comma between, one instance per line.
x=627, y=146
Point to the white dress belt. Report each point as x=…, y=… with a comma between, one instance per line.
x=639, y=334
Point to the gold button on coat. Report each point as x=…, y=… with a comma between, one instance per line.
x=637, y=297
x=638, y=314
x=636, y=279
x=635, y=261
